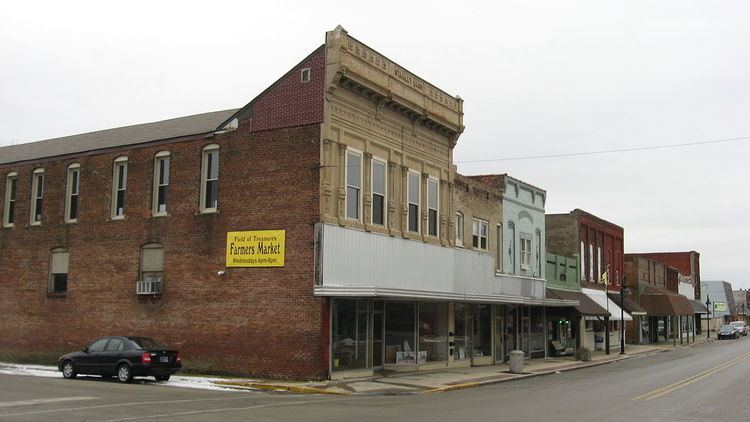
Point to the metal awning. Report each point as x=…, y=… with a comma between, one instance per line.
x=698, y=307
x=629, y=304
x=601, y=299
x=660, y=301
x=585, y=307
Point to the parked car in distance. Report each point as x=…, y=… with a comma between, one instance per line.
x=728, y=331
x=741, y=327
x=123, y=357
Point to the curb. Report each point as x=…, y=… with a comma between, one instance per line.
x=279, y=387
x=316, y=390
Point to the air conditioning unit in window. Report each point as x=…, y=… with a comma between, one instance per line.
x=148, y=287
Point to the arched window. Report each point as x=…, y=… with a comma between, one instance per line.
x=71, y=193
x=11, y=184
x=37, y=197
x=210, y=179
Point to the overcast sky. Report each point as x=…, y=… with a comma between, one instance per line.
x=538, y=78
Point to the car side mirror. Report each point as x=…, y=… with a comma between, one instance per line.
x=85, y=350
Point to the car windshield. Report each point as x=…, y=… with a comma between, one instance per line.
x=727, y=327
x=738, y=324
x=146, y=343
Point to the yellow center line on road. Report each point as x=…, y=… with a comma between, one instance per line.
x=687, y=381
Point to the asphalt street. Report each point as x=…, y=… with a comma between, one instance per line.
x=706, y=382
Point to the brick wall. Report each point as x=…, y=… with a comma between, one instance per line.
x=253, y=321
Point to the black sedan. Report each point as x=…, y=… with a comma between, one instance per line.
x=123, y=357
x=728, y=331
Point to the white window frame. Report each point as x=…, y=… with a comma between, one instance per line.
x=10, y=202
x=160, y=159
x=599, y=261
x=205, y=152
x=119, y=184
x=409, y=174
x=51, y=280
x=436, y=183
x=459, y=229
x=527, y=250
x=70, y=192
x=353, y=152
x=476, y=231
x=37, y=195
x=384, y=163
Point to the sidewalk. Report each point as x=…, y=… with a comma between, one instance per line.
x=453, y=379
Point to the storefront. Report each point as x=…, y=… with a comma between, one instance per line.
x=399, y=335
x=566, y=325
x=605, y=333
x=670, y=316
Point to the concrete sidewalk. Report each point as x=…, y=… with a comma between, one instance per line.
x=452, y=379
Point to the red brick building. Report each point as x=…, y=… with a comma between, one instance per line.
x=597, y=242
x=101, y=221
x=688, y=265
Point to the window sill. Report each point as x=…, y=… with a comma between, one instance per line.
x=8, y=226
x=161, y=215
x=35, y=224
x=57, y=294
x=208, y=212
x=117, y=217
x=71, y=221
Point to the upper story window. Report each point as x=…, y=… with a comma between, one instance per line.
x=210, y=179
x=161, y=183
x=119, y=185
x=432, y=206
x=379, y=177
x=479, y=229
x=413, y=193
x=58, y=271
x=591, y=263
x=71, y=193
x=512, y=247
x=9, y=216
x=459, y=229
x=582, y=259
x=353, y=183
x=525, y=250
x=37, y=197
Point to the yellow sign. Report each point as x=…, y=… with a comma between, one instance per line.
x=720, y=306
x=260, y=248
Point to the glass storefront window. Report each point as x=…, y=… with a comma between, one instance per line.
x=433, y=331
x=400, y=333
x=461, y=331
x=482, y=330
x=350, y=338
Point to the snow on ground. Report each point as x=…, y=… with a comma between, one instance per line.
x=184, y=381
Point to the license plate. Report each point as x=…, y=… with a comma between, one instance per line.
x=164, y=359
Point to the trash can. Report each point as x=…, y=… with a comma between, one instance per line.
x=516, y=361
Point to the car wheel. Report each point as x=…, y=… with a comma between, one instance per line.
x=69, y=370
x=162, y=377
x=124, y=373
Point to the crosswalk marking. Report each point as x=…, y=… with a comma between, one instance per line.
x=33, y=402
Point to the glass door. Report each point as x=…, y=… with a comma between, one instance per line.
x=499, y=335
x=377, y=335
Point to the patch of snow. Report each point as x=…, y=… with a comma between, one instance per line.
x=183, y=381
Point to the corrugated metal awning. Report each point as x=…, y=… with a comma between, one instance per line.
x=659, y=301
